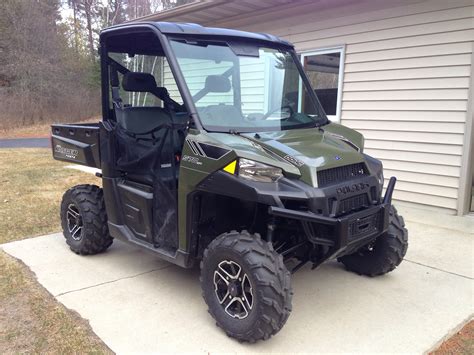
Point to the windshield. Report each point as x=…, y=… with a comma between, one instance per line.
x=245, y=88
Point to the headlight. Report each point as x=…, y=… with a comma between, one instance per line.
x=252, y=170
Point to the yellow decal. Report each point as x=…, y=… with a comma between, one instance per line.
x=230, y=168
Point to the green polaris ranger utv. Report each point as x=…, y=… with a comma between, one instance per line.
x=215, y=151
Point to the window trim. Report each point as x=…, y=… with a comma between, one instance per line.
x=325, y=50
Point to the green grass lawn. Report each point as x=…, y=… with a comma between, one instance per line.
x=31, y=320
x=32, y=184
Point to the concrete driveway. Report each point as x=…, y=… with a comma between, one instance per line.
x=137, y=303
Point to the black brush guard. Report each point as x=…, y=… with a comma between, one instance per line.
x=346, y=234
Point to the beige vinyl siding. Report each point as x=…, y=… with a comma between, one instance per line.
x=406, y=83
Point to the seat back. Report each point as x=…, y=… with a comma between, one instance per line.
x=149, y=140
x=143, y=149
x=141, y=119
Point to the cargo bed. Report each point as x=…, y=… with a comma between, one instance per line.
x=76, y=143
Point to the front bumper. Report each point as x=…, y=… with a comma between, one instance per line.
x=347, y=233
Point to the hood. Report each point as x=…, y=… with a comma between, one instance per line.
x=300, y=152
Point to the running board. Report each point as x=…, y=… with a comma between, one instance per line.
x=177, y=257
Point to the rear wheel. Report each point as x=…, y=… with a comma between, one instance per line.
x=384, y=254
x=246, y=286
x=84, y=220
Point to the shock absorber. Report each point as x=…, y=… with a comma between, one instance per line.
x=270, y=229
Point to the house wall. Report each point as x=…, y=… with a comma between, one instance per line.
x=406, y=83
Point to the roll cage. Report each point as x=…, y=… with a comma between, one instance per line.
x=156, y=39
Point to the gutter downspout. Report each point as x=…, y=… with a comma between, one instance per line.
x=465, y=181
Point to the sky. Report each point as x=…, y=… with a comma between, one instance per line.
x=67, y=12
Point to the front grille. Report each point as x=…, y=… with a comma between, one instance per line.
x=353, y=203
x=340, y=174
x=364, y=226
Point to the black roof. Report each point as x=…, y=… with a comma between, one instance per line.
x=198, y=30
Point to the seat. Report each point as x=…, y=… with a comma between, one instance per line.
x=143, y=136
x=141, y=119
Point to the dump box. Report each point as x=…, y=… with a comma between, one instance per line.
x=76, y=143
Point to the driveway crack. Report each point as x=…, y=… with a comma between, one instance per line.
x=438, y=269
x=112, y=281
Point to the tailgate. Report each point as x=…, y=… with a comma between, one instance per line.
x=76, y=143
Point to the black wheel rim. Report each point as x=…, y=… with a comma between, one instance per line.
x=74, y=222
x=233, y=289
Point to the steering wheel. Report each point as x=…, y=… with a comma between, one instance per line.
x=269, y=113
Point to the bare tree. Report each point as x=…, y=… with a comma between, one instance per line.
x=88, y=11
x=116, y=11
x=42, y=77
x=73, y=5
x=48, y=66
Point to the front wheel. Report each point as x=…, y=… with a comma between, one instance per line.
x=246, y=286
x=383, y=255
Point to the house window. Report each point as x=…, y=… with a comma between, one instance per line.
x=325, y=70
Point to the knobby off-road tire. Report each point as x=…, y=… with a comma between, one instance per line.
x=266, y=282
x=84, y=205
x=386, y=253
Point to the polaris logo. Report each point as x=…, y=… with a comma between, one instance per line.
x=352, y=188
x=293, y=161
x=192, y=160
x=67, y=152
